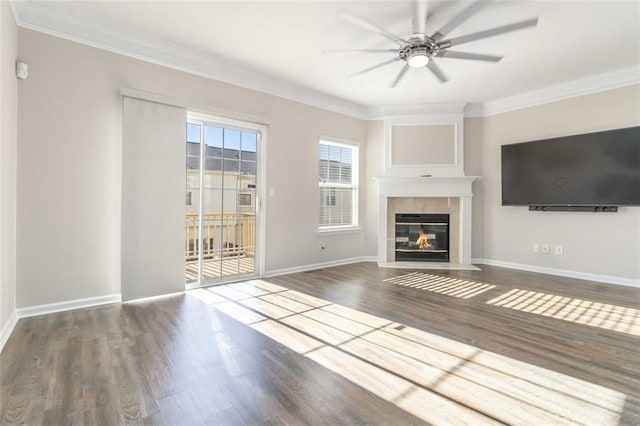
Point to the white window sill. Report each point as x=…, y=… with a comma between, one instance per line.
x=340, y=230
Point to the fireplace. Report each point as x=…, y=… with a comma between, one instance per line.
x=440, y=195
x=422, y=237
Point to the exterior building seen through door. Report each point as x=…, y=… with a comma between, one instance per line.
x=220, y=202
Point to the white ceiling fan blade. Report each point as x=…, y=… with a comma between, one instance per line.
x=364, y=23
x=458, y=19
x=390, y=61
x=435, y=69
x=438, y=8
x=401, y=74
x=420, y=11
x=360, y=51
x=467, y=55
x=488, y=33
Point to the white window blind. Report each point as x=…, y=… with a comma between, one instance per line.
x=338, y=185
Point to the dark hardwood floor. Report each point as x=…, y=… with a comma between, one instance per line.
x=347, y=345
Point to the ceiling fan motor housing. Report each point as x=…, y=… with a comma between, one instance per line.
x=417, y=46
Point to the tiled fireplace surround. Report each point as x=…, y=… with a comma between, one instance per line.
x=450, y=195
x=431, y=205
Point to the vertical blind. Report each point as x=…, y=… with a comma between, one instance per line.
x=153, y=182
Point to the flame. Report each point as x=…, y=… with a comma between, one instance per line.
x=422, y=241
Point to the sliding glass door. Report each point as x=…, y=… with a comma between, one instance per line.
x=221, y=202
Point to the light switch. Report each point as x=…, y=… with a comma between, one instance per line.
x=272, y=193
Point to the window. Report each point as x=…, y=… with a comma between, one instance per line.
x=338, y=185
x=245, y=199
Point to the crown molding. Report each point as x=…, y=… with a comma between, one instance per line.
x=12, y=6
x=38, y=18
x=473, y=110
x=571, y=89
x=391, y=111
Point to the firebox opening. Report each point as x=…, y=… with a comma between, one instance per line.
x=422, y=237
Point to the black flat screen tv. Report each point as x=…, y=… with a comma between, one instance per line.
x=592, y=169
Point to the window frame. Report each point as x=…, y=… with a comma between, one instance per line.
x=354, y=185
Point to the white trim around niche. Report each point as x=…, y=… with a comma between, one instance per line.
x=435, y=170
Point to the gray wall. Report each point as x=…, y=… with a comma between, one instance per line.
x=606, y=244
x=473, y=134
x=423, y=144
x=69, y=167
x=374, y=165
x=8, y=124
x=69, y=173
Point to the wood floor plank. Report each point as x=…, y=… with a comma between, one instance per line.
x=71, y=414
x=351, y=345
x=249, y=288
x=65, y=387
x=287, y=303
x=304, y=298
x=179, y=408
x=268, y=309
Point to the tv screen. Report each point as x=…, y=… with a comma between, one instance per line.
x=600, y=168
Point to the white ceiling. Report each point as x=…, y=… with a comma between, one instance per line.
x=285, y=41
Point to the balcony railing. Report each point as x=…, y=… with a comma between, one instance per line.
x=224, y=234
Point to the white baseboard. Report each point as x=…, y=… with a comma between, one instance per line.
x=8, y=329
x=322, y=265
x=629, y=282
x=50, y=308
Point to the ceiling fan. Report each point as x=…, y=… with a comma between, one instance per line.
x=420, y=50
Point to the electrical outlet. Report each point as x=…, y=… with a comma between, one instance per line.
x=545, y=248
x=536, y=248
x=322, y=246
x=559, y=250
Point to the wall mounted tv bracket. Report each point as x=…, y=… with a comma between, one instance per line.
x=560, y=208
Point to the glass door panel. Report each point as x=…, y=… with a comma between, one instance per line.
x=213, y=173
x=226, y=223
x=192, y=204
x=236, y=260
x=246, y=199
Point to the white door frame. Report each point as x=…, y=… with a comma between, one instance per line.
x=261, y=179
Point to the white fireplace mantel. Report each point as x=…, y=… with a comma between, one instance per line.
x=458, y=187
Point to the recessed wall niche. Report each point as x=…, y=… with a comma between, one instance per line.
x=428, y=145
x=414, y=145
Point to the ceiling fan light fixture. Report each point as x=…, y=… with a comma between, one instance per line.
x=418, y=60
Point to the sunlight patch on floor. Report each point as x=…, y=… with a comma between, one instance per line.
x=595, y=314
x=436, y=379
x=441, y=284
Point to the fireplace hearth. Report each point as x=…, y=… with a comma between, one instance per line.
x=422, y=237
